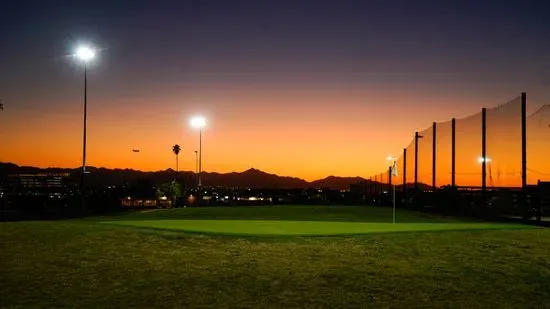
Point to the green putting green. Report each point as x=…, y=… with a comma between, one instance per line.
x=305, y=228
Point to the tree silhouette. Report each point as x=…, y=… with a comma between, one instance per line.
x=176, y=149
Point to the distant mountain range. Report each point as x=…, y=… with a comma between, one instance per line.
x=251, y=178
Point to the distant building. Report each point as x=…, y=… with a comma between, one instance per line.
x=130, y=203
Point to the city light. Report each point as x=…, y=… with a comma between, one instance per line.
x=85, y=53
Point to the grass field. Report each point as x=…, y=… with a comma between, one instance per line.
x=91, y=263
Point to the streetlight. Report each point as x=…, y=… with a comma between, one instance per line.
x=199, y=122
x=393, y=170
x=196, y=163
x=84, y=54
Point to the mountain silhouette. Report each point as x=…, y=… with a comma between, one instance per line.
x=335, y=182
x=251, y=178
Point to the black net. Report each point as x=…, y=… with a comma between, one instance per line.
x=503, y=152
x=538, y=146
x=468, y=151
x=443, y=154
x=425, y=151
x=503, y=164
x=398, y=180
x=410, y=164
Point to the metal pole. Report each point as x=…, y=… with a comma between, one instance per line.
x=415, y=162
x=389, y=177
x=484, y=155
x=392, y=188
x=200, y=156
x=85, y=119
x=434, y=151
x=82, y=181
x=197, y=166
x=453, y=152
x=390, y=182
x=405, y=173
x=524, y=153
x=393, y=204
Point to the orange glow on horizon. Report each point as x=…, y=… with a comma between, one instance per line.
x=289, y=133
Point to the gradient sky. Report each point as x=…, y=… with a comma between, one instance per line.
x=300, y=88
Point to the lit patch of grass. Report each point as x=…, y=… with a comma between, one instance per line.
x=287, y=212
x=304, y=228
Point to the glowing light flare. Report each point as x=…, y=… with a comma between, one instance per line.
x=482, y=159
x=198, y=122
x=85, y=53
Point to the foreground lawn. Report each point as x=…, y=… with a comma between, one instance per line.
x=84, y=263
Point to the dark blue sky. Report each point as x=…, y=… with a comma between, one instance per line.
x=289, y=41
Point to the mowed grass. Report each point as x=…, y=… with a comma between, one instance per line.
x=288, y=213
x=298, y=221
x=86, y=263
x=303, y=228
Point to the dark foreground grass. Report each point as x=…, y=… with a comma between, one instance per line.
x=87, y=264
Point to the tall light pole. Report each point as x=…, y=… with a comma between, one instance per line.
x=393, y=172
x=199, y=122
x=197, y=163
x=84, y=54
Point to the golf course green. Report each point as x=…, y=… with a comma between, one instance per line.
x=303, y=228
x=298, y=221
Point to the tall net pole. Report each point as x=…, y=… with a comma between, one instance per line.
x=524, y=154
x=434, y=152
x=484, y=156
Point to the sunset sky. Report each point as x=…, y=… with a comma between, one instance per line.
x=299, y=88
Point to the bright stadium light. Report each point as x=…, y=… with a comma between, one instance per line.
x=198, y=122
x=85, y=53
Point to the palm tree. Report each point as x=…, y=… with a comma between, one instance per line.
x=176, y=149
